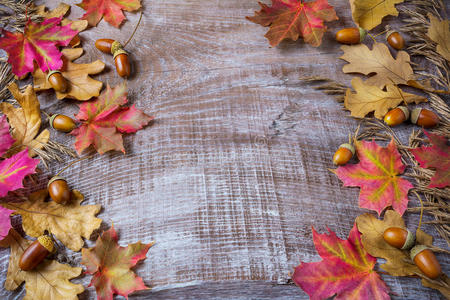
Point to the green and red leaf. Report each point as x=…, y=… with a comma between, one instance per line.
x=290, y=19
x=111, y=10
x=110, y=265
x=38, y=43
x=346, y=270
x=376, y=174
x=436, y=157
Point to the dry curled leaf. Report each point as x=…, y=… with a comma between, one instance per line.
x=80, y=85
x=68, y=223
x=439, y=33
x=370, y=98
x=25, y=121
x=379, y=61
x=50, y=279
x=369, y=13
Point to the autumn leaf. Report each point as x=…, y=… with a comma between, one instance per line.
x=5, y=222
x=369, y=13
x=346, y=270
x=110, y=265
x=370, y=98
x=14, y=169
x=80, y=85
x=68, y=223
x=436, y=157
x=379, y=61
x=439, y=33
x=290, y=19
x=376, y=174
x=105, y=119
x=38, y=43
x=50, y=279
x=5, y=136
x=111, y=10
x=25, y=121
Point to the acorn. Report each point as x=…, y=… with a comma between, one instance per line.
x=122, y=63
x=343, y=154
x=59, y=190
x=399, y=238
x=104, y=45
x=424, y=117
x=62, y=123
x=427, y=262
x=396, y=116
x=351, y=35
x=36, y=253
x=396, y=40
x=57, y=81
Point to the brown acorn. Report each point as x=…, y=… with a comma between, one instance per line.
x=427, y=262
x=104, y=45
x=424, y=117
x=351, y=35
x=62, y=123
x=343, y=154
x=36, y=253
x=59, y=190
x=57, y=81
x=399, y=238
x=396, y=40
x=396, y=116
x=122, y=63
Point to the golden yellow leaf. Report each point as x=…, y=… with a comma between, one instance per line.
x=50, y=279
x=369, y=13
x=379, y=61
x=68, y=223
x=440, y=34
x=81, y=86
x=370, y=98
x=25, y=120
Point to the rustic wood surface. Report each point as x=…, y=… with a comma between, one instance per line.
x=233, y=173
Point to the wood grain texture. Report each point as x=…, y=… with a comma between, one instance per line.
x=233, y=173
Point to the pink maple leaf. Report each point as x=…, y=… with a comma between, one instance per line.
x=5, y=222
x=6, y=140
x=111, y=10
x=38, y=43
x=345, y=271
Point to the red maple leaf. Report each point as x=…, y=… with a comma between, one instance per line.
x=111, y=10
x=376, y=174
x=436, y=157
x=111, y=266
x=38, y=43
x=290, y=19
x=346, y=270
x=6, y=140
x=104, y=119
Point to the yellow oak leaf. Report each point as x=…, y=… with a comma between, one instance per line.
x=439, y=33
x=25, y=121
x=369, y=13
x=50, y=279
x=68, y=223
x=379, y=61
x=370, y=98
x=80, y=85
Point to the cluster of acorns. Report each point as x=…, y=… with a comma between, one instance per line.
x=356, y=35
x=421, y=255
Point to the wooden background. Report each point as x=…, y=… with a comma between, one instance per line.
x=233, y=173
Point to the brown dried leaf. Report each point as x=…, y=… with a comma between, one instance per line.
x=68, y=223
x=81, y=86
x=440, y=34
x=370, y=98
x=379, y=61
x=369, y=13
x=50, y=279
x=25, y=121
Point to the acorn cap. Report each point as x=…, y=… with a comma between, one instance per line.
x=47, y=243
x=119, y=51
x=116, y=45
x=416, y=250
x=409, y=240
x=51, y=73
x=362, y=34
x=405, y=111
x=54, y=178
x=349, y=147
x=415, y=115
x=52, y=118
